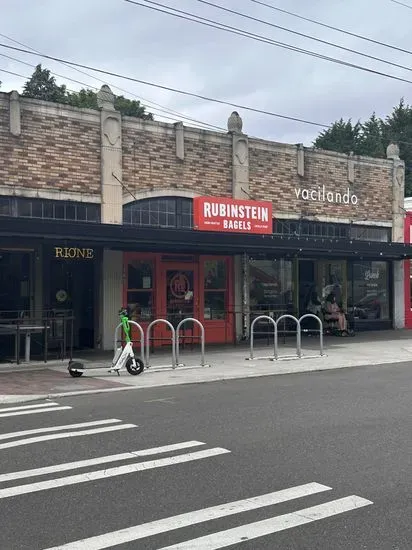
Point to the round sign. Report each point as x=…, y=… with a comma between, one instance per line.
x=179, y=285
x=61, y=295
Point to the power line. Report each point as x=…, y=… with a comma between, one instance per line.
x=160, y=108
x=246, y=34
x=402, y=4
x=75, y=92
x=331, y=27
x=170, y=89
x=292, y=31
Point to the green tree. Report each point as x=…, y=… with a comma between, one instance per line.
x=43, y=86
x=342, y=137
x=372, y=141
x=398, y=128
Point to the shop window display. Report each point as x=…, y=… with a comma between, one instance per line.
x=368, y=290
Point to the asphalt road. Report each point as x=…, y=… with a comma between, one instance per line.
x=309, y=440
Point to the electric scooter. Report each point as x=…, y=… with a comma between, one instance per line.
x=123, y=357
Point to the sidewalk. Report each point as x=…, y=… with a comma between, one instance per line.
x=20, y=383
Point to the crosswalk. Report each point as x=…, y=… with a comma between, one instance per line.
x=32, y=409
x=104, y=468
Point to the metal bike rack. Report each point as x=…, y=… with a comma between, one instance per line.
x=172, y=338
x=312, y=316
x=298, y=338
x=202, y=340
x=140, y=329
x=275, y=334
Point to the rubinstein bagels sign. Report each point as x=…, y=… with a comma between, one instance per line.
x=231, y=215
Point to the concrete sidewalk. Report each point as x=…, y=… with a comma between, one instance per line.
x=38, y=381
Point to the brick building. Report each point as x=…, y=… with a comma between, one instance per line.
x=99, y=211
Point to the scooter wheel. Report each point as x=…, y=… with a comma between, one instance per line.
x=75, y=373
x=134, y=370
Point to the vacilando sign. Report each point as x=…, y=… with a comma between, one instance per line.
x=322, y=195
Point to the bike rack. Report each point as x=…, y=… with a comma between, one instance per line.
x=298, y=338
x=275, y=333
x=140, y=329
x=312, y=316
x=172, y=338
x=202, y=340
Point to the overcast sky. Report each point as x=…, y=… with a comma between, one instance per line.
x=139, y=42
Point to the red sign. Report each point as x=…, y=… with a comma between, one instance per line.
x=231, y=215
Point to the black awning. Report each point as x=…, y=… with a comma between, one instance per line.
x=126, y=237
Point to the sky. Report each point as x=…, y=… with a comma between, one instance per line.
x=135, y=41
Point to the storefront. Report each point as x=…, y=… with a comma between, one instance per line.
x=408, y=265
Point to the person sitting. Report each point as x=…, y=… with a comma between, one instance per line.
x=314, y=305
x=334, y=313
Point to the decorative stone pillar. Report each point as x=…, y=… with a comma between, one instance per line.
x=180, y=140
x=111, y=157
x=240, y=190
x=240, y=157
x=398, y=220
x=15, y=114
x=301, y=160
x=351, y=168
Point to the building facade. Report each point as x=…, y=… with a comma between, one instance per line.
x=98, y=211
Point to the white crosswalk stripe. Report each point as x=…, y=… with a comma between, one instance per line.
x=95, y=461
x=21, y=433
x=229, y=537
x=109, y=472
x=45, y=409
x=64, y=434
x=251, y=531
x=27, y=407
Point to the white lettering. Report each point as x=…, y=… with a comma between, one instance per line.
x=254, y=213
x=322, y=195
x=264, y=214
x=206, y=210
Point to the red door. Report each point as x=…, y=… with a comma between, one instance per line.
x=178, y=299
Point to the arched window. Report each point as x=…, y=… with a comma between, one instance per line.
x=172, y=212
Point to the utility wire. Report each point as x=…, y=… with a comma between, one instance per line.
x=75, y=92
x=158, y=107
x=315, y=123
x=402, y=4
x=292, y=31
x=170, y=89
x=246, y=34
x=331, y=27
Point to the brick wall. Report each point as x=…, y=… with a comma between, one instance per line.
x=150, y=162
x=274, y=176
x=58, y=149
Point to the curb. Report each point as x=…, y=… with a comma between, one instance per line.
x=5, y=399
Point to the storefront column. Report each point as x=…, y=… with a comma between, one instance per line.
x=238, y=297
x=112, y=295
x=111, y=158
x=398, y=233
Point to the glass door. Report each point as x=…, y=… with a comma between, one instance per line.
x=332, y=278
x=180, y=293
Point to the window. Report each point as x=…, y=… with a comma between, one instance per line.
x=167, y=212
x=368, y=290
x=304, y=228
x=52, y=210
x=271, y=286
x=140, y=302
x=215, y=285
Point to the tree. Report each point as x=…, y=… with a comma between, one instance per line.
x=372, y=137
x=87, y=98
x=43, y=86
x=342, y=137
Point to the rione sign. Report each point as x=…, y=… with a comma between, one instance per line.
x=73, y=253
x=231, y=215
x=322, y=195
